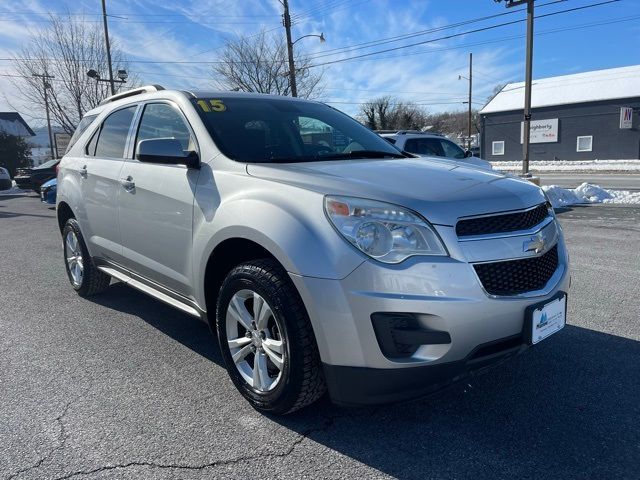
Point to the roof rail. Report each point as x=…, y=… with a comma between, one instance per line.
x=131, y=93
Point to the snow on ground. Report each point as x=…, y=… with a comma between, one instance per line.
x=588, y=193
x=572, y=166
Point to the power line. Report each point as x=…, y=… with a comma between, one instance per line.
x=77, y=14
x=382, y=41
x=457, y=47
x=503, y=39
x=454, y=35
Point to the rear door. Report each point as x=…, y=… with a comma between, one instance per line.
x=156, y=209
x=99, y=172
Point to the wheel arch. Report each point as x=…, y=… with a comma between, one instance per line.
x=226, y=255
x=64, y=213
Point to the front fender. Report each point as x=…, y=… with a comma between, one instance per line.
x=287, y=221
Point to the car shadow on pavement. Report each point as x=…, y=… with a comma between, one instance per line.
x=566, y=408
x=189, y=331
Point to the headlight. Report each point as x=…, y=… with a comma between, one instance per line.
x=383, y=231
x=550, y=208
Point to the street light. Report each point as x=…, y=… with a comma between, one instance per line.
x=292, y=65
x=122, y=76
x=321, y=37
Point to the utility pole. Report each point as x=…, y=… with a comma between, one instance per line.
x=526, y=124
x=106, y=41
x=470, y=89
x=527, y=90
x=46, y=86
x=286, y=21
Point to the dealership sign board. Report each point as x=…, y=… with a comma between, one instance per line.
x=61, y=143
x=541, y=131
x=626, y=117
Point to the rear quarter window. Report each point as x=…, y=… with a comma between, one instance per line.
x=86, y=121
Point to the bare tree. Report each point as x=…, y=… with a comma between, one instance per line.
x=259, y=64
x=66, y=48
x=454, y=123
x=387, y=113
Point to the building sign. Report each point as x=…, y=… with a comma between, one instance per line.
x=541, y=131
x=62, y=142
x=626, y=117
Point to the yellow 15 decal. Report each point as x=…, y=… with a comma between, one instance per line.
x=212, y=105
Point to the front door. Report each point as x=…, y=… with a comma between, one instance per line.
x=155, y=207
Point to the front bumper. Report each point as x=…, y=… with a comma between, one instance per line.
x=443, y=295
x=372, y=386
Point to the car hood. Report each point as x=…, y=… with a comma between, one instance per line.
x=50, y=183
x=441, y=191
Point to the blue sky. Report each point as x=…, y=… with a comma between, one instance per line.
x=193, y=30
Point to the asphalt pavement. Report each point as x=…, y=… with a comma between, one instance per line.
x=121, y=386
x=621, y=181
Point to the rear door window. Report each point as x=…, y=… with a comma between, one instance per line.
x=112, y=138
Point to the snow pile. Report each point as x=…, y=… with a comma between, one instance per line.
x=576, y=166
x=588, y=193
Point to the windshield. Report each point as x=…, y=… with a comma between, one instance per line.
x=434, y=146
x=48, y=164
x=279, y=130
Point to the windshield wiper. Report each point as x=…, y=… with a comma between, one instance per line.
x=361, y=154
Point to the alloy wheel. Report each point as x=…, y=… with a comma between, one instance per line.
x=73, y=256
x=254, y=335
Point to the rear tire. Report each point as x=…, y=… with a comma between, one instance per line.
x=83, y=275
x=292, y=376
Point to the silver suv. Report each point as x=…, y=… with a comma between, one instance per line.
x=428, y=144
x=322, y=258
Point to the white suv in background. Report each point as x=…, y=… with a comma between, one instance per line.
x=428, y=144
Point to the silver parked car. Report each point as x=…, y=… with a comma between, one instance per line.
x=322, y=258
x=5, y=179
x=428, y=144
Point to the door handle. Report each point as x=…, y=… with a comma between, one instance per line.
x=128, y=183
x=83, y=172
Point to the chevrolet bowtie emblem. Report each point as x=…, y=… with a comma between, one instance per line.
x=535, y=244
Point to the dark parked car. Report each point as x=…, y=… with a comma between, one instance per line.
x=33, y=178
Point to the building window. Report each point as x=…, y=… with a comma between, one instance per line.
x=497, y=148
x=584, y=144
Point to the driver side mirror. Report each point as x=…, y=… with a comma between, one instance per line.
x=468, y=153
x=166, y=151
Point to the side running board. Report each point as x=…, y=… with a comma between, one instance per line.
x=149, y=290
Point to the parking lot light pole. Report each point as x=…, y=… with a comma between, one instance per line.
x=526, y=127
x=470, y=79
x=108, y=46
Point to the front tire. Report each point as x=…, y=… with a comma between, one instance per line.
x=83, y=275
x=266, y=339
